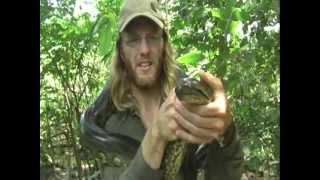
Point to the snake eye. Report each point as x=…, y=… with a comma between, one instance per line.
x=194, y=91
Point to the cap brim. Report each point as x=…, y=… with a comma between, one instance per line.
x=130, y=18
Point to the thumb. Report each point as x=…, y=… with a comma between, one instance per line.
x=214, y=82
x=171, y=96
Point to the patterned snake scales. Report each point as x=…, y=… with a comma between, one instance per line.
x=189, y=90
x=194, y=92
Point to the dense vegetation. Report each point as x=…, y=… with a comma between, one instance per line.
x=237, y=40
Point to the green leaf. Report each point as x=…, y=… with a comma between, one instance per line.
x=216, y=12
x=237, y=14
x=234, y=26
x=105, y=38
x=190, y=58
x=245, y=15
x=113, y=19
x=83, y=24
x=102, y=22
x=104, y=27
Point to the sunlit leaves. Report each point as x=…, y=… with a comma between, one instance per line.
x=104, y=30
x=236, y=14
x=236, y=40
x=84, y=24
x=234, y=27
x=190, y=58
x=216, y=12
x=241, y=44
x=72, y=74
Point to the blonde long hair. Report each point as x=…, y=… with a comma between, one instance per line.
x=120, y=86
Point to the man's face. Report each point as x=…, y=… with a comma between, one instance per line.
x=142, y=51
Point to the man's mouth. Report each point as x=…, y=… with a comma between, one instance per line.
x=144, y=65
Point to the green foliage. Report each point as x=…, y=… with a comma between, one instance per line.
x=238, y=41
x=239, y=46
x=75, y=59
x=190, y=58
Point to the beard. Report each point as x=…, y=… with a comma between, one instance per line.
x=143, y=83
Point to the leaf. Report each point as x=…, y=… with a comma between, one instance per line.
x=102, y=22
x=245, y=15
x=216, y=12
x=236, y=14
x=112, y=19
x=83, y=24
x=105, y=38
x=234, y=25
x=190, y=58
x=104, y=28
x=232, y=83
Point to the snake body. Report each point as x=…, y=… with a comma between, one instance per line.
x=190, y=91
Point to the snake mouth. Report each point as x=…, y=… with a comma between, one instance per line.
x=194, y=92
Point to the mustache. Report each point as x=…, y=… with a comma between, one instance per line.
x=145, y=60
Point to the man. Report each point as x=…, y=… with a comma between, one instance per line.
x=140, y=102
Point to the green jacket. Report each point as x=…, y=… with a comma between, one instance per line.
x=109, y=130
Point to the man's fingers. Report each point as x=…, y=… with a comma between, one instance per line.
x=184, y=136
x=172, y=96
x=198, y=121
x=218, y=108
x=201, y=132
x=214, y=82
x=169, y=102
x=189, y=138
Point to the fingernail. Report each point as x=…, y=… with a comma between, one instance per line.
x=177, y=104
x=205, y=76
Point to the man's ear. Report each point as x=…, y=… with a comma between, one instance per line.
x=120, y=50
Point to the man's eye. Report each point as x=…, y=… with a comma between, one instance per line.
x=154, y=37
x=133, y=40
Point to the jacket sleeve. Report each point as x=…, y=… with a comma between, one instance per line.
x=94, y=136
x=226, y=162
x=140, y=170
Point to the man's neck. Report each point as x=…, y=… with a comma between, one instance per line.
x=147, y=97
x=148, y=103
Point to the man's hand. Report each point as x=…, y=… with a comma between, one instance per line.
x=160, y=133
x=204, y=123
x=165, y=119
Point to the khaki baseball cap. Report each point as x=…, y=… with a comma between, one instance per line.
x=135, y=8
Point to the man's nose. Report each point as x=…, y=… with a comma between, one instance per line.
x=144, y=47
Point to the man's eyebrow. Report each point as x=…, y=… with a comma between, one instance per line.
x=131, y=33
x=159, y=31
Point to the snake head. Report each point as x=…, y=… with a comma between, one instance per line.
x=194, y=92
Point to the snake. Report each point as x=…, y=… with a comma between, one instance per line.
x=190, y=91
